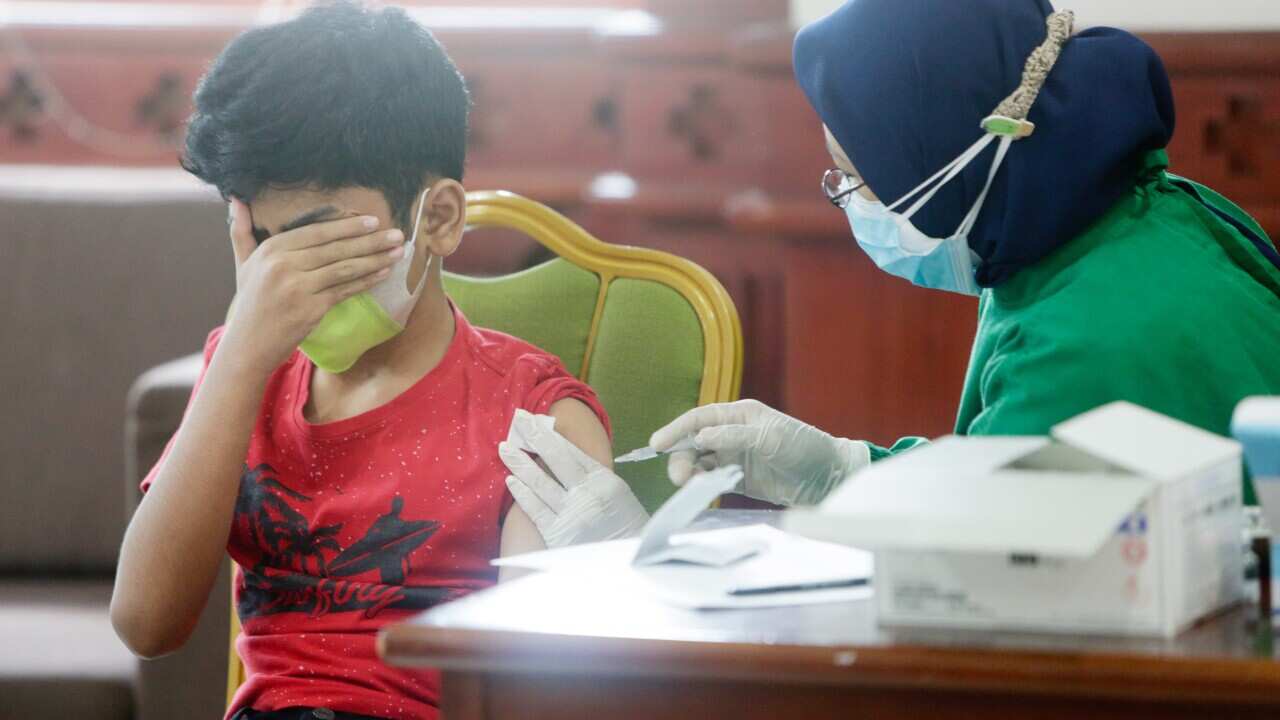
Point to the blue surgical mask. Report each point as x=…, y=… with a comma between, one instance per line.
x=899, y=248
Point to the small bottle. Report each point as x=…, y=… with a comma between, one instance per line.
x=1258, y=559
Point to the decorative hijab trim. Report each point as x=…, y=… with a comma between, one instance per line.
x=1010, y=116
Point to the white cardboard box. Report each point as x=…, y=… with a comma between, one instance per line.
x=1124, y=521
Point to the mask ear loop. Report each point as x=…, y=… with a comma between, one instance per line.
x=971, y=219
x=413, y=244
x=950, y=170
x=956, y=167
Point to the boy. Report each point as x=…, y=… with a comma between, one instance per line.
x=341, y=443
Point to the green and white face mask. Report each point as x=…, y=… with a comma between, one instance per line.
x=361, y=322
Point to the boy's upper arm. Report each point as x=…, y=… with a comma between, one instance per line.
x=210, y=346
x=580, y=425
x=519, y=536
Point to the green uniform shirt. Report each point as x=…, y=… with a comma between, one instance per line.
x=1160, y=303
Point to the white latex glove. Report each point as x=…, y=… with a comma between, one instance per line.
x=784, y=461
x=579, y=500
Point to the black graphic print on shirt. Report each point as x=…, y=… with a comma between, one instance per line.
x=305, y=569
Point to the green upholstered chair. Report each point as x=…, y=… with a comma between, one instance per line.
x=653, y=334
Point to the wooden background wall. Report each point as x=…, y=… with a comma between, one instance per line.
x=680, y=129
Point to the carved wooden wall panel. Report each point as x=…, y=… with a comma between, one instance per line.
x=713, y=153
x=1229, y=139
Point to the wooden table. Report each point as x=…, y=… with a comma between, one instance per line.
x=540, y=648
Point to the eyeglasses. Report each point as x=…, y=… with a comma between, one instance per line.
x=839, y=187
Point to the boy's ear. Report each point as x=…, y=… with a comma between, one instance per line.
x=444, y=217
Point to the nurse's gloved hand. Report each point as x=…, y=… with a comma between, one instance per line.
x=784, y=461
x=575, y=499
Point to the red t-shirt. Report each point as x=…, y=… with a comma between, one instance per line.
x=343, y=527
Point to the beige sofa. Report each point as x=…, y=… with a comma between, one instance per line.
x=104, y=273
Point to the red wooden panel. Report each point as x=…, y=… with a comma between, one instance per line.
x=1216, y=52
x=727, y=153
x=868, y=355
x=687, y=122
x=550, y=112
x=1228, y=134
x=792, y=152
x=791, y=145
x=141, y=100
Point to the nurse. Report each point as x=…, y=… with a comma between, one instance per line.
x=983, y=147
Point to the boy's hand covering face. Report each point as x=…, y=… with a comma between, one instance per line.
x=286, y=285
x=577, y=500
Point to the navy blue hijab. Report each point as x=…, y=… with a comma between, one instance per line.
x=904, y=84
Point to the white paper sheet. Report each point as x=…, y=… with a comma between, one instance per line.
x=783, y=560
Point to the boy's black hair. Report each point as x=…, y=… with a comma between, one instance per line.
x=339, y=96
